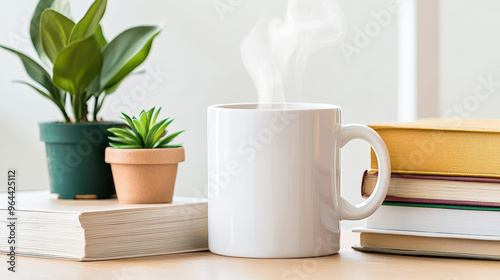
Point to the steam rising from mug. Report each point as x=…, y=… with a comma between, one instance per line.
x=275, y=52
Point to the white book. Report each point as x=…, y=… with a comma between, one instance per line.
x=436, y=220
x=88, y=230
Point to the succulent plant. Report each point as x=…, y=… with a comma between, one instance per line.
x=84, y=66
x=144, y=132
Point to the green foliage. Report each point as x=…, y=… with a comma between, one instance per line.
x=144, y=132
x=56, y=32
x=122, y=55
x=83, y=64
x=61, y=6
x=84, y=57
x=89, y=24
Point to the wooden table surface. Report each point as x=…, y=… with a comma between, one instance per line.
x=348, y=264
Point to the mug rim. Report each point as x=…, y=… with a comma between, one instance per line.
x=252, y=106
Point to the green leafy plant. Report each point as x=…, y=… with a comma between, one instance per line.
x=85, y=67
x=144, y=132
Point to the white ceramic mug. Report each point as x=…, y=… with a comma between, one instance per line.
x=274, y=179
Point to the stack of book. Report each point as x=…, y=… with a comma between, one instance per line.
x=444, y=195
x=102, y=229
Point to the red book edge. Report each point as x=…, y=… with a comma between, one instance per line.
x=436, y=201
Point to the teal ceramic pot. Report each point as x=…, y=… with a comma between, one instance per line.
x=75, y=158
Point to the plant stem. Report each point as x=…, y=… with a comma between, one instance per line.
x=62, y=106
x=83, y=109
x=79, y=107
x=63, y=110
x=75, y=102
x=96, y=103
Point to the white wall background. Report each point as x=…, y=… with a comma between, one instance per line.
x=470, y=49
x=200, y=52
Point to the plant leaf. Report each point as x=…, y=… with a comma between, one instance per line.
x=170, y=121
x=124, y=146
x=156, y=115
x=143, y=118
x=149, y=114
x=58, y=101
x=96, y=83
x=170, y=146
x=44, y=94
x=113, y=88
x=122, y=140
x=89, y=24
x=169, y=138
x=54, y=32
x=77, y=65
x=129, y=121
x=157, y=129
x=133, y=127
x=61, y=6
x=172, y=136
x=99, y=36
x=36, y=72
x=124, y=53
x=125, y=133
x=140, y=128
x=161, y=131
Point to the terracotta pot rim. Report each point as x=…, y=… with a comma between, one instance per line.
x=145, y=156
x=147, y=149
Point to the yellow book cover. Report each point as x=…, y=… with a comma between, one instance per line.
x=461, y=147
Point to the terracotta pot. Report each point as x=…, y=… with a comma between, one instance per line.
x=144, y=175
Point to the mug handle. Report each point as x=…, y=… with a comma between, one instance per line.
x=369, y=206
